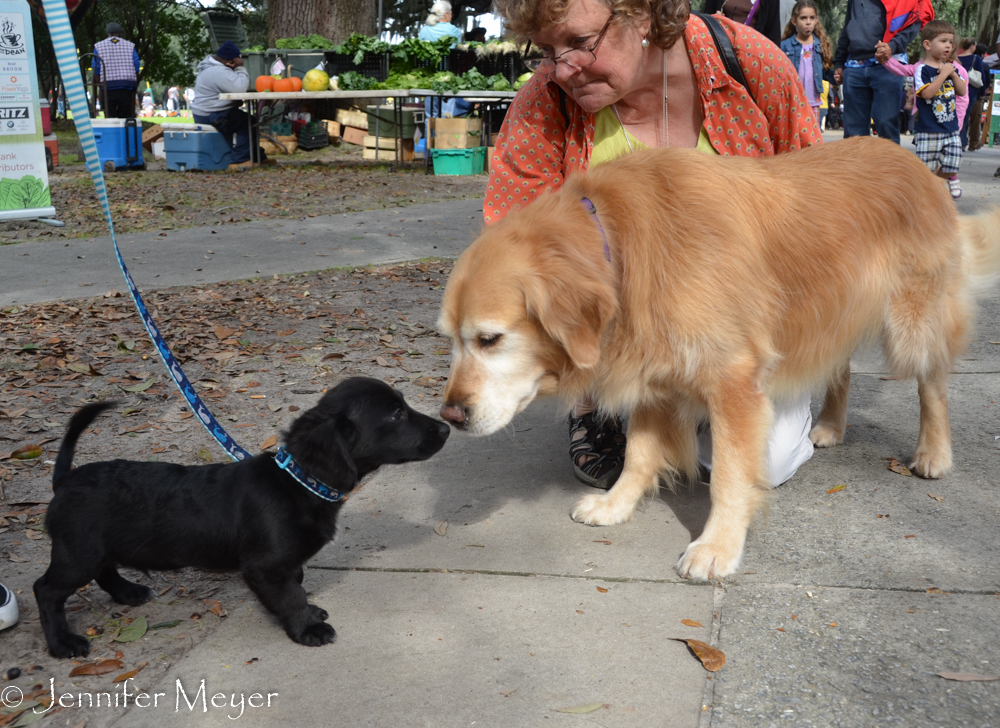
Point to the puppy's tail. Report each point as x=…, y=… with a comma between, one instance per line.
x=981, y=249
x=79, y=422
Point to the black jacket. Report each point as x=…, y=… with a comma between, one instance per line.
x=864, y=26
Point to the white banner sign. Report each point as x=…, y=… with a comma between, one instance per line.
x=24, y=180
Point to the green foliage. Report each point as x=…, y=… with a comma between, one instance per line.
x=354, y=81
x=471, y=80
x=169, y=38
x=305, y=42
x=357, y=45
x=412, y=52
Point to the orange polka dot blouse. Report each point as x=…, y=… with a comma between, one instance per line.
x=537, y=147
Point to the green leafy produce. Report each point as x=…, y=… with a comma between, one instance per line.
x=412, y=52
x=255, y=49
x=24, y=193
x=471, y=80
x=357, y=45
x=305, y=43
x=354, y=81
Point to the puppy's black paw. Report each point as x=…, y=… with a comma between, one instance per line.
x=70, y=645
x=132, y=594
x=316, y=635
x=318, y=612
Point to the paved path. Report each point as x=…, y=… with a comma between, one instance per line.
x=847, y=605
x=53, y=269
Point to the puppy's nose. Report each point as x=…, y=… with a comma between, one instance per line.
x=443, y=430
x=454, y=413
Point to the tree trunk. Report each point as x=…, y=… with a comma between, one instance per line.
x=988, y=24
x=334, y=19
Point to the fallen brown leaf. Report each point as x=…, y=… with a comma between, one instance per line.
x=938, y=498
x=967, y=677
x=898, y=467
x=836, y=489
x=441, y=529
x=130, y=674
x=691, y=622
x=96, y=668
x=269, y=443
x=215, y=607
x=602, y=590
x=711, y=658
x=587, y=708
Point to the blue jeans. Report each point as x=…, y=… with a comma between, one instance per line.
x=872, y=94
x=234, y=121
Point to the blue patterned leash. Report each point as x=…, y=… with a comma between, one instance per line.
x=69, y=66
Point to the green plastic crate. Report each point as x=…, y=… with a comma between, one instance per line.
x=459, y=161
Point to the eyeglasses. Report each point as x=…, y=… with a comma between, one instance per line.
x=574, y=57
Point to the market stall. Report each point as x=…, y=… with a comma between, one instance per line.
x=258, y=101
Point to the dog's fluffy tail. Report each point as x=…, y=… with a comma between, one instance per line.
x=981, y=248
x=80, y=422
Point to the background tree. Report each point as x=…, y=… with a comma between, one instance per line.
x=333, y=19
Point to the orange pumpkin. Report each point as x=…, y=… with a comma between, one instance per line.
x=283, y=85
x=296, y=83
x=264, y=83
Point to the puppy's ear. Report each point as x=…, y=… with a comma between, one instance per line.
x=573, y=303
x=324, y=451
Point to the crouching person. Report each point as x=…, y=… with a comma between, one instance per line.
x=224, y=73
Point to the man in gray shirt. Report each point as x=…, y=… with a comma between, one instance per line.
x=223, y=73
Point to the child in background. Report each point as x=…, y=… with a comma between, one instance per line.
x=940, y=87
x=824, y=105
x=805, y=42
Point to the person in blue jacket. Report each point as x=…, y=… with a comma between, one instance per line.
x=438, y=23
x=805, y=43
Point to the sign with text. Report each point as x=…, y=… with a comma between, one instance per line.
x=24, y=179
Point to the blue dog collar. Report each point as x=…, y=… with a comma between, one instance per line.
x=286, y=462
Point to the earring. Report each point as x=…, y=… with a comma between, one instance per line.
x=645, y=42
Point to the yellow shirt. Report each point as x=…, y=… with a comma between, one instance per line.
x=824, y=98
x=609, y=142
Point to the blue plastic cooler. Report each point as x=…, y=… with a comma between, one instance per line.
x=119, y=143
x=195, y=147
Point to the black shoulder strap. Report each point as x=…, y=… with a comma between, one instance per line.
x=725, y=48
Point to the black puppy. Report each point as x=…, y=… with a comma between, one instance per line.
x=249, y=516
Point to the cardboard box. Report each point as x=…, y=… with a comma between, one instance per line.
x=388, y=154
x=152, y=134
x=462, y=133
x=333, y=128
x=357, y=119
x=353, y=135
x=490, y=151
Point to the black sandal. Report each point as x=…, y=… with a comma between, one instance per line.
x=604, y=442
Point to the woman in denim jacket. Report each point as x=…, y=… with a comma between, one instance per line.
x=805, y=43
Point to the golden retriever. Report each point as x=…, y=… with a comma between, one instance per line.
x=725, y=287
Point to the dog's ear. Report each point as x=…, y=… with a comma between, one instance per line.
x=573, y=303
x=324, y=451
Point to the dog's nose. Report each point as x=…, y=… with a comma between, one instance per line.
x=454, y=413
x=443, y=430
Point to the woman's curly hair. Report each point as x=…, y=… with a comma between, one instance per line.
x=668, y=18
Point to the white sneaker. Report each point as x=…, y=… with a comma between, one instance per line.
x=955, y=187
x=8, y=608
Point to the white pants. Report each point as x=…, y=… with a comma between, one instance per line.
x=788, y=446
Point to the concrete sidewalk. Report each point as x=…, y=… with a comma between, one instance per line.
x=847, y=605
x=51, y=269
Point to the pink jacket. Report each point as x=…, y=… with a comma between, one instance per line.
x=908, y=69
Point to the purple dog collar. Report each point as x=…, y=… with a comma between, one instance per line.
x=589, y=207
